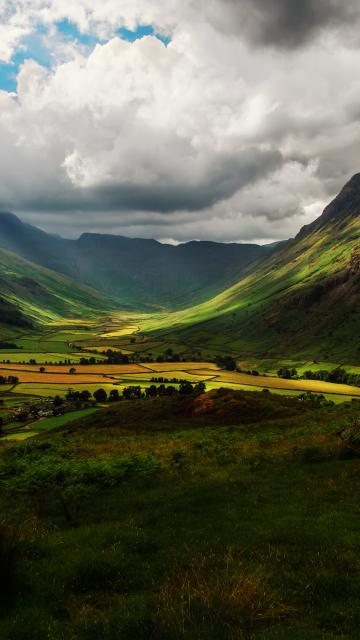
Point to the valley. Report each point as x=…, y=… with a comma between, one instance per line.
x=173, y=470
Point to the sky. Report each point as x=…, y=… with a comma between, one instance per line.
x=223, y=120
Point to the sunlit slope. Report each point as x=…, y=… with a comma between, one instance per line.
x=301, y=299
x=42, y=295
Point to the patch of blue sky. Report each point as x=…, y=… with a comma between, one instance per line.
x=70, y=30
x=33, y=46
x=140, y=32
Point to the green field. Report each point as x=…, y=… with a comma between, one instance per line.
x=24, y=435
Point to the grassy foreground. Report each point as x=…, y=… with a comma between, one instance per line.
x=228, y=515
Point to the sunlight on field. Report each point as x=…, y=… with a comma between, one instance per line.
x=47, y=390
x=41, y=378
x=124, y=331
x=317, y=386
x=20, y=436
x=80, y=369
x=179, y=366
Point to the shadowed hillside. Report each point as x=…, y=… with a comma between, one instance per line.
x=143, y=274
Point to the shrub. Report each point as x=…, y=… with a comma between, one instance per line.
x=313, y=453
x=10, y=539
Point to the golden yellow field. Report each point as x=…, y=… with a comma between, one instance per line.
x=316, y=386
x=178, y=366
x=95, y=369
x=62, y=378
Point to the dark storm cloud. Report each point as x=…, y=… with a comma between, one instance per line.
x=287, y=24
x=224, y=177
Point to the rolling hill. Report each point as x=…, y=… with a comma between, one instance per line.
x=30, y=293
x=144, y=274
x=302, y=299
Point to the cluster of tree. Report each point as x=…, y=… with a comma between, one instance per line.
x=339, y=376
x=185, y=388
x=226, y=362
x=9, y=345
x=286, y=373
x=153, y=391
x=84, y=396
x=318, y=398
x=116, y=357
x=9, y=380
x=169, y=356
x=252, y=372
x=87, y=360
x=100, y=395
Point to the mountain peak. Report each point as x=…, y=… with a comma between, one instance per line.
x=345, y=205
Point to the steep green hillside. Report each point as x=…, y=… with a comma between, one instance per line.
x=30, y=293
x=143, y=274
x=301, y=299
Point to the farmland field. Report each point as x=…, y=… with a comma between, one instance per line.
x=20, y=436
x=80, y=369
x=46, y=390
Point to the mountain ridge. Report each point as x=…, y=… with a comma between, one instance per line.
x=143, y=274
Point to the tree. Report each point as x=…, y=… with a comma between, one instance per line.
x=72, y=370
x=170, y=391
x=100, y=395
x=186, y=388
x=132, y=392
x=132, y=340
x=151, y=391
x=169, y=352
x=58, y=401
x=1, y=424
x=42, y=369
x=200, y=387
x=114, y=395
x=85, y=395
x=230, y=365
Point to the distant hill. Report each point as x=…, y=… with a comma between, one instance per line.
x=31, y=294
x=142, y=274
x=302, y=299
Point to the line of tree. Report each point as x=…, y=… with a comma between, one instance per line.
x=9, y=380
x=9, y=345
x=318, y=398
x=286, y=373
x=339, y=376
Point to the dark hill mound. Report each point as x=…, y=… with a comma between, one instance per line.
x=216, y=408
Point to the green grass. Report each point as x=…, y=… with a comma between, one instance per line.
x=57, y=421
x=219, y=527
x=20, y=436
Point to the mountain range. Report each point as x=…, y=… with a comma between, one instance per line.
x=142, y=274
x=301, y=297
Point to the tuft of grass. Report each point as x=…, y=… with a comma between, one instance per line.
x=230, y=601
